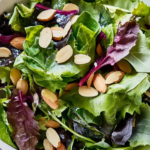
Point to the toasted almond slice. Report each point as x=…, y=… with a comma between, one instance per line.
x=57, y=32
x=64, y=54
x=87, y=91
x=53, y=137
x=124, y=66
x=45, y=37
x=70, y=6
x=62, y=147
x=71, y=86
x=108, y=74
x=80, y=59
x=67, y=28
x=114, y=77
x=5, y=52
x=18, y=42
x=46, y=15
x=99, y=50
x=147, y=93
x=90, y=80
x=15, y=75
x=52, y=124
x=99, y=83
x=48, y=145
x=50, y=98
x=74, y=19
x=23, y=86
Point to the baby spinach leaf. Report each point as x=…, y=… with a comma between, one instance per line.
x=141, y=133
x=140, y=53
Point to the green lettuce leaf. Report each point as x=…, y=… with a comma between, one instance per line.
x=20, y=11
x=141, y=10
x=139, y=54
x=5, y=74
x=5, y=135
x=128, y=5
x=41, y=62
x=122, y=97
x=109, y=31
x=141, y=132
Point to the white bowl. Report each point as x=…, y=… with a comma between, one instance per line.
x=7, y=5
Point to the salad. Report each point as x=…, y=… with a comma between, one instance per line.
x=74, y=75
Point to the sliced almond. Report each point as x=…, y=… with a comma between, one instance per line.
x=99, y=83
x=57, y=32
x=87, y=91
x=23, y=86
x=124, y=66
x=71, y=86
x=74, y=19
x=62, y=147
x=70, y=6
x=108, y=74
x=99, y=50
x=147, y=93
x=53, y=137
x=90, y=80
x=67, y=28
x=80, y=59
x=114, y=77
x=52, y=124
x=15, y=75
x=47, y=145
x=46, y=15
x=50, y=98
x=18, y=42
x=45, y=37
x=64, y=54
x=5, y=52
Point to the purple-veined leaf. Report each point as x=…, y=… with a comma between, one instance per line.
x=25, y=127
x=124, y=40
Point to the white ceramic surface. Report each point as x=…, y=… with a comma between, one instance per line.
x=7, y=5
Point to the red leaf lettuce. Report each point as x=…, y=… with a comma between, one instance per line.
x=124, y=40
x=25, y=127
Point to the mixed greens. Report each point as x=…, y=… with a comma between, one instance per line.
x=98, y=98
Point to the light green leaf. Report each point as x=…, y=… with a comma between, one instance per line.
x=109, y=31
x=141, y=132
x=141, y=10
x=5, y=74
x=121, y=98
x=139, y=54
x=62, y=108
x=5, y=134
